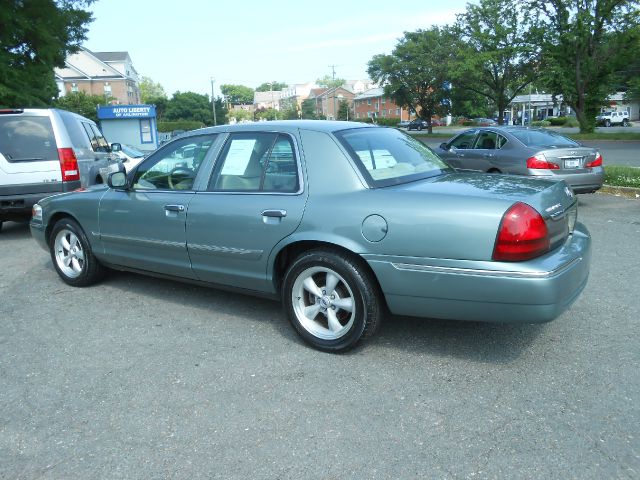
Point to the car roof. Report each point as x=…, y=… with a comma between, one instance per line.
x=328, y=126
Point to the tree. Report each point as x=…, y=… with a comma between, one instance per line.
x=240, y=115
x=268, y=86
x=160, y=104
x=343, y=110
x=496, y=53
x=81, y=103
x=415, y=74
x=584, y=44
x=150, y=90
x=308, y=109
x=329, y=82
x=237, y=94
x=189, y=106
x=35, y=37
x=267, y=114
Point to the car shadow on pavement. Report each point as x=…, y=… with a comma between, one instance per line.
x=14, y=230
x=474, y=341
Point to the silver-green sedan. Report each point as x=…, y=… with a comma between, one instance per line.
x=340, y=220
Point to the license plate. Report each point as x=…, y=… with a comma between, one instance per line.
x=571, y=163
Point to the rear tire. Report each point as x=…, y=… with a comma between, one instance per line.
x=331, y=299
x=607, y=123
x=625, y=122
x=1, y=222
x=72, y=256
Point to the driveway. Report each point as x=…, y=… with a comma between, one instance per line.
x=145, y=378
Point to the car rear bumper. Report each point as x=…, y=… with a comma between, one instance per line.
x=529, y=292
x=16, y=200
x=583, y=182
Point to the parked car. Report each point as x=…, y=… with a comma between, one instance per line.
x=417, y=124
x=130, y=156
x=403, y=124
x=485, y=122
x=340, y=220
x=47, y=151
x=609, y=119
x=526, y=151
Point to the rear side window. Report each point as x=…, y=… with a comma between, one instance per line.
x=77, y=134
x=27, y=139
x=256, y=162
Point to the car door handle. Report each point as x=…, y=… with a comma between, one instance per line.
x=274, y=213
x=174, y=208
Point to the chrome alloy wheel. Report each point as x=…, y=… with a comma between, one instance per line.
x=69, y=253
x=323, y=303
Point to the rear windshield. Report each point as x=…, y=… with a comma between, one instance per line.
x=386, y=156
x=540, y=138
x=27, y=139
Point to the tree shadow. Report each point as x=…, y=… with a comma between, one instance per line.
x=14, y=230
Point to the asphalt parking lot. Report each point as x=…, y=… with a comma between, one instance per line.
x=145, y=378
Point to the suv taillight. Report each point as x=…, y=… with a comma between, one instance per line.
x=68, y=165
x=540, y=161
x=596, y=163
x=522, y=235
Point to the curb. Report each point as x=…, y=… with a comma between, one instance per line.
x=630, y=192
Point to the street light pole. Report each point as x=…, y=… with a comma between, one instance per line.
x=213, y=103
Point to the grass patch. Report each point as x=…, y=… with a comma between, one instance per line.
x=622, y=176
x=604, y=136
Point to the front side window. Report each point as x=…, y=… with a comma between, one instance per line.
x=256, y=162
x=386, y=156
x=464, y=140
x=175, y=166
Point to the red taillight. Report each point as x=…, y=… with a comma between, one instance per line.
x=522, y=235
x=596, y=163
x=539, y=161
x=68, y=165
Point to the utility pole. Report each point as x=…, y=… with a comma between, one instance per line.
x=333, y=72
x=213, y=103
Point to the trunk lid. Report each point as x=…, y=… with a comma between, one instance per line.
x=570, y=160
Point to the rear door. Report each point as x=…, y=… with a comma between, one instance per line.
x=255, y=198
x=28, y=149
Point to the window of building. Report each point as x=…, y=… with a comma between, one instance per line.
x=397, y=111
x=377, y=105
x=74, y=87
x=107, y=89
x=145, y=131
x=368, y=101
x=384, y=100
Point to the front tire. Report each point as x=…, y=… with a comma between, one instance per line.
x=72, y=256
x=331, y=299
x=607, y=123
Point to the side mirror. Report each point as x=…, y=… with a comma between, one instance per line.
x=116, y=147
x=444, y=146
x=117, y=180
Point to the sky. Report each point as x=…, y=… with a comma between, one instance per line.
x=183, y=44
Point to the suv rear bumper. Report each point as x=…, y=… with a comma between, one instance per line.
x=16, y=200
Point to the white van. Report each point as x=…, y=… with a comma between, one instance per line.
x=48, y=151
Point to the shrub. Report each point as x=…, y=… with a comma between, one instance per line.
x=557, y=121
x=166, y=126
x=541, y=123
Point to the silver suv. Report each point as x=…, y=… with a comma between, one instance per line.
x=48, y=151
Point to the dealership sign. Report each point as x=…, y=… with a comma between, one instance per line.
x=126, y=111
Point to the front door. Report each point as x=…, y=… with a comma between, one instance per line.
x=459, y=149
x=144, y=227
x=254, y=199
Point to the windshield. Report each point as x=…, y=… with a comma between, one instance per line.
x=540, y=138
x=386, y=156
x=132, y=152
